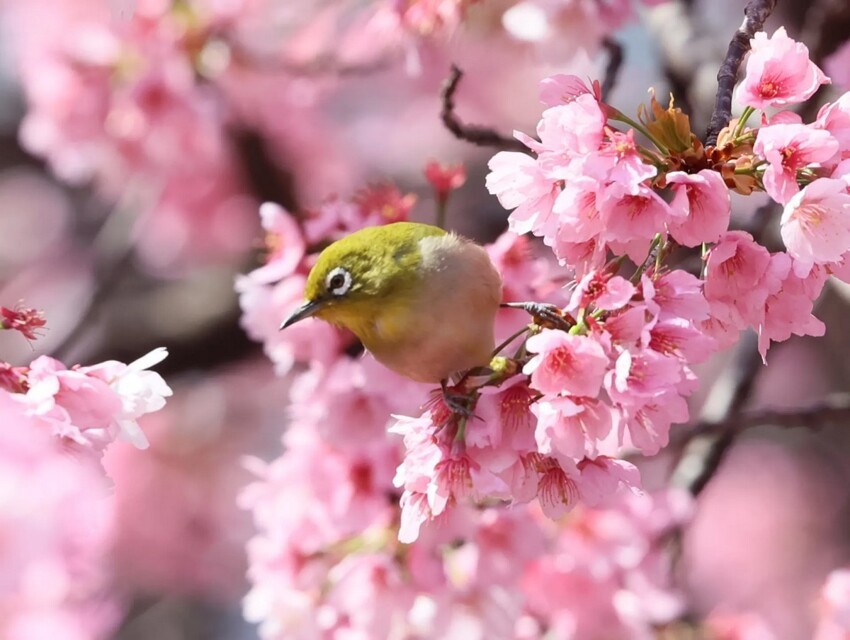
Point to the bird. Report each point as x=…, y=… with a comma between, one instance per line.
x=422, y=300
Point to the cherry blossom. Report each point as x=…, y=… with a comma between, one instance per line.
x=572, y=364
x=706, y=207
x=787, y=149
x=23, y=320
x=778, y=72
x=816, y=224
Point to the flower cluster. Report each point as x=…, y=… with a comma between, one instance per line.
x=550, y=420
x=88, y=407
x=618, y=377
x=56, y=519
x=120, y=93
x=606, y=365
x=57, y=516
x=327, y=511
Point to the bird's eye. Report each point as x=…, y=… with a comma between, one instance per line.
x=338, y=281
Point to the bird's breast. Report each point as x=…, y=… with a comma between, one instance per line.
x=446, y=324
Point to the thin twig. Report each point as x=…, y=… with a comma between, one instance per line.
x=481, y=136
x=755, y=14
x=108, y=281
x=747, y=366
x=615, y=62
x=114, y=249
x=835, y=410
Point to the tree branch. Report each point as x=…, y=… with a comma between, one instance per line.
x=481, y=136
x=113, y=248
x=755, y=14
x=835, y=410
x=747, y=365
x=615, y=62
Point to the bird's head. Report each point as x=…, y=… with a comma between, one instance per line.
x=364, y=274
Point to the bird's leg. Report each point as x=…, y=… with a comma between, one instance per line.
x=543, y=313
x=456, y=400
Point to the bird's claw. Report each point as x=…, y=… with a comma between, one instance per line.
x=459, y=403
x=544, y=314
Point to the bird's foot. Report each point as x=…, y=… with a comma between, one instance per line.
x=544, y=314
x=458, y=400
x=458, y=403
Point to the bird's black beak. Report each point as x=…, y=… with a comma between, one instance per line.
x=306, y=310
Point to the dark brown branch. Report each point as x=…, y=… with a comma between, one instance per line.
x=747, y=365
x=481, y=136
x=833, y=411
x=108, y=279
x=615, y=62
x=755, y=14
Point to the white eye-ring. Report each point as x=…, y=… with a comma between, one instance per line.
x=338, y=281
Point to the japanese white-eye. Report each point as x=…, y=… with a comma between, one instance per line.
x=423, y=301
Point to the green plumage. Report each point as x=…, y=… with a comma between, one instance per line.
x=382, y=261
x=421, y=300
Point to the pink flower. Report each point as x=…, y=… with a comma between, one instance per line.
x=627, y=216
x=583, y=257
x=286, y=246
x=24, y=320
x=314, y=495
x=570, y=427
x=140, y=391
x=619, y=161
x=815, y=224
x=703, y=199
x=578, y=216
x=78, y=406
x=366, y=586
x=640, y=376
x=679, y=337
x=603, y=480
x=378, y=204
x=94, y=405
x=835, y=118
x=571, y=129
x=445, y=178
x=602, y=291
x=562, y=89
x=516, y=179
x=557, y=491
x=787, y=149
x=778, y=72
x=648, y=425
x=506, y=424
x=676, y=294
x=56, y=515
x=789, y=310
x=736, y=276
x=630, y=327
x=605, y=577
x=350, y=401
x=414, y=513
x=565, y=363
x=435, y=474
